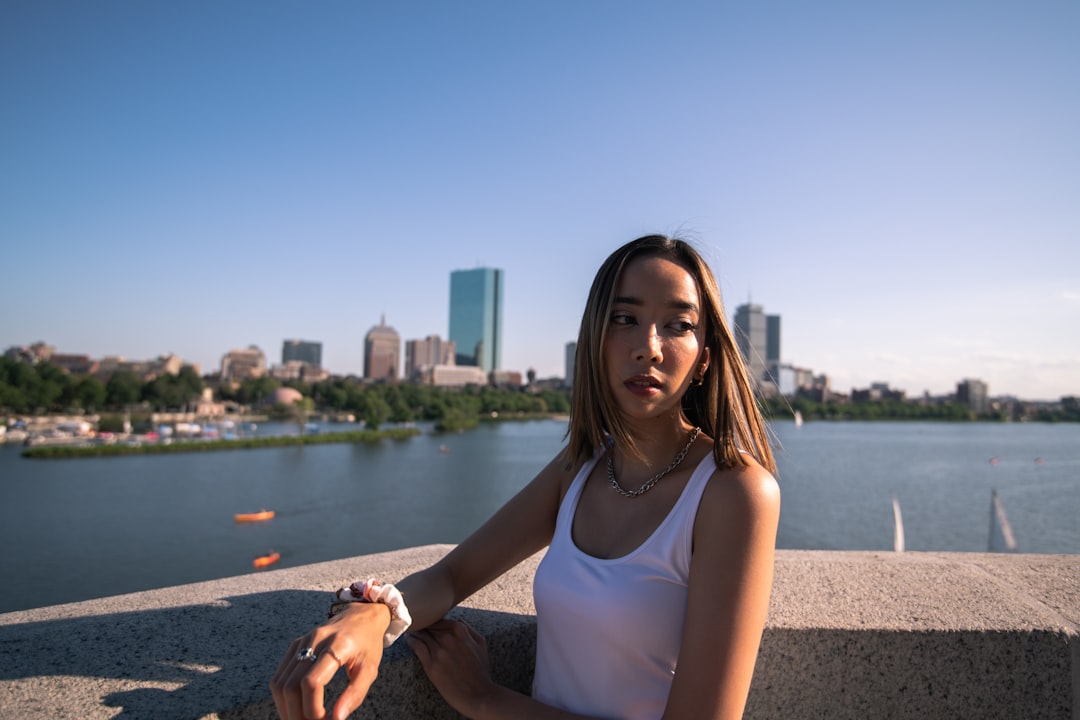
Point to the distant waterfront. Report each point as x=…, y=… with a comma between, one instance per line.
x=79, y=448
x=78, y=529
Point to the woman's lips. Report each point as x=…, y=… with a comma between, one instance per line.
x=643, y=385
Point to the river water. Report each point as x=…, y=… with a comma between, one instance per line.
x=79, y=529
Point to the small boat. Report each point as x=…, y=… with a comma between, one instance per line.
x=898, y=526
x=266, y=560
x=255, y=516
x=1001, y=533
x=798, y=419
x=444, y=450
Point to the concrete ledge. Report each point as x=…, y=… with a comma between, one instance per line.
x=850, y=635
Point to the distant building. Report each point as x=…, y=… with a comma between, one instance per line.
x=505, y=378
x=109, y=365
x=283, y=396
x=877, y=392
x=974, y=394
x=205, y=405
x=758, y=338
x=302, y=351
x=772, y=346
x=382, y=352
x=73, y=364
x=240, y=365
x=33, y=354
x=476, y=317
x=451, y=375
x=167, y=365
x=551, y=383
x=790, y=379
x=145, y=370
x=299, y=370
x=570, y=361
x=815, y=387
x=432, y=350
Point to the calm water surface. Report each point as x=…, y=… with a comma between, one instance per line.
x=78, y=529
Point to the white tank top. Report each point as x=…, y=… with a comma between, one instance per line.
x=608, y=631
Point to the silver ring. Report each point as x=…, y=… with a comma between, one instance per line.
x=307, y=654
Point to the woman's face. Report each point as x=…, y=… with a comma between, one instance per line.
x=654, y=347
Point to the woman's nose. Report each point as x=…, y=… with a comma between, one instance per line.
x=649, y=346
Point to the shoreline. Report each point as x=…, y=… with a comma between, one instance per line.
x=62, y=452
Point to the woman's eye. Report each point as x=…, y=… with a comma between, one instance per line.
x=622, y=319
x=684, y=326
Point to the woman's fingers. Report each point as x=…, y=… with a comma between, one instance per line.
x=418, y=644
x=278, y=683
x=356, y=691
x=454, y=657
x=471, y=631
x=283, y=667
x=298, y=686
x=313, y=681
x=352, y=639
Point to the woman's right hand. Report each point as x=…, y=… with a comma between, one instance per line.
x=352, y=639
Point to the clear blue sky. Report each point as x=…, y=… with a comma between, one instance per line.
x=899, y=181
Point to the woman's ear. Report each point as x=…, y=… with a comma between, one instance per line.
x=703, y=364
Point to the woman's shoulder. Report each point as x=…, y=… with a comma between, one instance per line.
x=741, y=492
x=561, y=471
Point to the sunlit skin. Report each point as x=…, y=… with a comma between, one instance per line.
x=654, y=346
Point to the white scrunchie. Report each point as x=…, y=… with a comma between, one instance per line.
x=370, y=591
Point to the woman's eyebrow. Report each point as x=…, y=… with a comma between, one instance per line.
x=675, y=304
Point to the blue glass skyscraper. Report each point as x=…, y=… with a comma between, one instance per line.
x=476, y=317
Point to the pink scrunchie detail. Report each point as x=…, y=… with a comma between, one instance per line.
x=370, y=591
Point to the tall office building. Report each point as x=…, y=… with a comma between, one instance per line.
x=974, y=394
x=382, y=352
x=302, y=351
x=772, y=346
x=476, y=317
x=758, y=338
x=751, y=335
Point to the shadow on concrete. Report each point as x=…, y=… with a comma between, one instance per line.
x=179, y=662
x=213, y=658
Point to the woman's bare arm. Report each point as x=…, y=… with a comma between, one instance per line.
x=730, y=583
x=353, y=638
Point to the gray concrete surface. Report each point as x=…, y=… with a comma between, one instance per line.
x=850, y=635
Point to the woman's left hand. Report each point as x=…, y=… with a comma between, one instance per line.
x=455, y=659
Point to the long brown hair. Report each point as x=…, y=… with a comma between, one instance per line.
x=723, y=405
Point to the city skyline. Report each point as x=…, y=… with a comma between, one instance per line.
x=899, y=183
x=433, y=350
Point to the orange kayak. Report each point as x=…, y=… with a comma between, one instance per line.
x=266, y=560
x=255, y=517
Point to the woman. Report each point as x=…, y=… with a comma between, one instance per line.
x=660, y=515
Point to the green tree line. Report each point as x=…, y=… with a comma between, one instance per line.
x=900, y=410
x=876, y=410
x=44, y=388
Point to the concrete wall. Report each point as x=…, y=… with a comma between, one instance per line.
x=850, y=635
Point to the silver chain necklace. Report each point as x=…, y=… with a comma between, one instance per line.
x=655, y=478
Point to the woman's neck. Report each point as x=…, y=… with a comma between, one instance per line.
x=656, y=442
